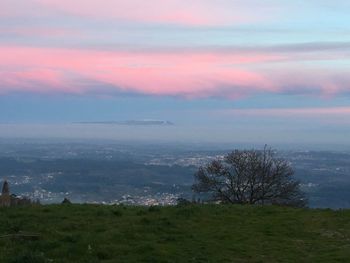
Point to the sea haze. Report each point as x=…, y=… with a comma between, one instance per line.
x=181, y=133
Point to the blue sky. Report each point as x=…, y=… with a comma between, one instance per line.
x=274, y=68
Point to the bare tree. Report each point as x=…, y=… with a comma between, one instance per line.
x=250, y=177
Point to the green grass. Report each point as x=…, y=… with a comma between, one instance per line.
x=200, y=233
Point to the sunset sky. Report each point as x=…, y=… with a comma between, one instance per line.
x=264, y=69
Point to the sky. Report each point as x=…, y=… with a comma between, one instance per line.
x=221, y=70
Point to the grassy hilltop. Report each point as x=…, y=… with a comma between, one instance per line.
x=203, y=233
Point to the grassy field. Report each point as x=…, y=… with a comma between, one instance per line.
x=199, y=233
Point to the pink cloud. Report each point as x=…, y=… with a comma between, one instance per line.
x=195, y=12
x=40, y=31
x=188, y=74
x=160, y=73
x=24, y=9
x=32, y=80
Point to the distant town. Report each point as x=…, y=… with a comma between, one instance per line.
x=112, y=173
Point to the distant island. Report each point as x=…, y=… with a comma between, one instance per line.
x=131, y=122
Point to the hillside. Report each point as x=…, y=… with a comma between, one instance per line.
x=205, y=233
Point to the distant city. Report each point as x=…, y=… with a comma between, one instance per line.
x=148, y=174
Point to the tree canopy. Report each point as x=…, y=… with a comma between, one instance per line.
x=250, y=177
